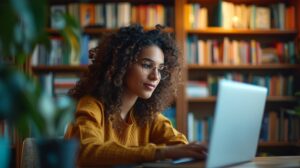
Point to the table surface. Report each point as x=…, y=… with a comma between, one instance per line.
x=258, y=162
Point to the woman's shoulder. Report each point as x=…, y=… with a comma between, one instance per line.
x=89, y=102
x=160, y=117
x=91, y=108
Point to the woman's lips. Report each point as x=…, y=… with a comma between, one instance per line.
x=149, y=86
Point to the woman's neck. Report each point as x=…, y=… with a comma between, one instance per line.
x=128, y=102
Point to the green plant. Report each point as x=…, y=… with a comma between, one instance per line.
x=22, y=102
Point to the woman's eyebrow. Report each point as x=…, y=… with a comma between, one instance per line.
x=150, y=60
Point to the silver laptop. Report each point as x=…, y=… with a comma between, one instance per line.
x=237, y=122
x=236, y=127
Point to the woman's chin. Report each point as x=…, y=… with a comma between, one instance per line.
x=145, y=96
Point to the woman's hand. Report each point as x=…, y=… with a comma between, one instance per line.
x=194, y=150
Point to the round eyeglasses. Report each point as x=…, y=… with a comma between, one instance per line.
x=148, y=67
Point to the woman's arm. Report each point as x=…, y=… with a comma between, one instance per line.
x=175, y=144
x=163, y=133
x=94, y=150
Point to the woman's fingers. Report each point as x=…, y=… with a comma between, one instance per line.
x=197, y=147
x=194, y=150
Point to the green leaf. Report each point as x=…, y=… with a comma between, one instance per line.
x=64, y=114
x=24, y=28
x=72, y=35
x=24, y=23
x=9, y=17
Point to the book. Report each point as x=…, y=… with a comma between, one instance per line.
x=57, y=12
x=100, y=15
x=197, y=89
x=262, y=18
x=87, y=14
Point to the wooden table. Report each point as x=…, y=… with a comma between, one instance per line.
x=258, y=162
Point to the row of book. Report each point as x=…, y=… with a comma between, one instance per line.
x=211, y=51
x=57, y=54
x=276, y=15
x=280, y=126
x=196, y=16
x=241, y=16
x=199, y=128
x=283, y=126
x=113, y=15
x=57, y=84
x=277, y=85
x=197, y=89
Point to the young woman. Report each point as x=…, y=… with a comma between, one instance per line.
x=130, y=81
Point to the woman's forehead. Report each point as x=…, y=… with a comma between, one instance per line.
x=152, y=53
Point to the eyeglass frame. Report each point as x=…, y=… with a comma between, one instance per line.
x=153, y=68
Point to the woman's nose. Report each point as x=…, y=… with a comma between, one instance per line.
x=155, y=75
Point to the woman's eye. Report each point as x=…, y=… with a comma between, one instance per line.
x=147, y=66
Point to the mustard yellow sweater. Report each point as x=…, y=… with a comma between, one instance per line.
x=100, y=144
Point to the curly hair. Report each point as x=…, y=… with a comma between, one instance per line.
x=104, y=79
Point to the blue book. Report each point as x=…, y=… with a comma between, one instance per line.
x=264, y=128
x=84, y=56
x=170, y=113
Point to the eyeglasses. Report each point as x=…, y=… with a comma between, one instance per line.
x=148, y=67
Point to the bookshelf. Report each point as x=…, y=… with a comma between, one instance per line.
x=97, y=31
x=177, y=26
x=278, y=67
x=59, y=68
x=274, y=99
x=241, y=32
x=202, y=107
x=96, y=18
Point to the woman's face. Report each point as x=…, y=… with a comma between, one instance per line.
x=144, y=75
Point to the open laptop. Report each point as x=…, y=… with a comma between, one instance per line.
x=236, y=126
x=237, y=122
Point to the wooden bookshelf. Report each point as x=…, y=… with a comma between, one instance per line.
x=183, y=102
x=258, y=2
x=277, y=144
x=204, y=106
x=241, y=32
x=244, y=67
x=99, y=30
x=278, y=149
x=59, y=68
x=274, y=99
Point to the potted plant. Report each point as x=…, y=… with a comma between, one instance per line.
x=28, y=108
x=22, y=102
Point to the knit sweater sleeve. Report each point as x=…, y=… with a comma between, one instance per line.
x=94, y=150
x=163, y=133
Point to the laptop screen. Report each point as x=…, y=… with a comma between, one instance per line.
x=237, y=123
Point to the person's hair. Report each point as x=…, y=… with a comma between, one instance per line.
x=104, y=79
